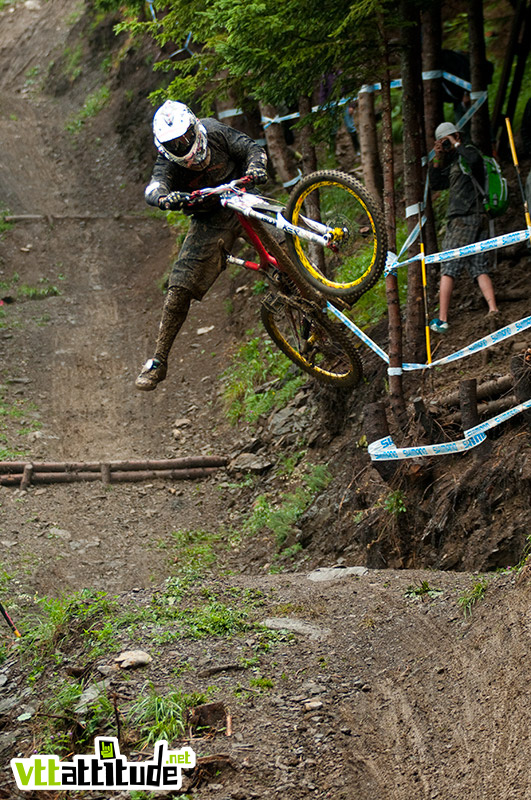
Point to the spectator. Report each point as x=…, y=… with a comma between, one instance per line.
x=453, y=166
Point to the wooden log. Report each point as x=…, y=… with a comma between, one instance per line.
x=81, y=217
x=521, y=372
x=105, y=473
x=424, y=418
x=26, y=477
x=469, y=413
x=95, y=466
x=485, y=390
x=375, y=426
x=485, y=409
x=116, y=477
x=170, y=474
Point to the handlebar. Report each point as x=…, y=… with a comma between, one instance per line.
x=198, y=194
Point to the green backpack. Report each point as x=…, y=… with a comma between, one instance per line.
x=495, y=191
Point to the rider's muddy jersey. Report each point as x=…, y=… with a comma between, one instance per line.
x=232, y=154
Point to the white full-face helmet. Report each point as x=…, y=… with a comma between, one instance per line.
x=179, y=135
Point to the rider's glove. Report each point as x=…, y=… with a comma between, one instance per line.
x=257, y=174
x=171, y=202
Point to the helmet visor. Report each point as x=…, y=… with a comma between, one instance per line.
x=182, y=144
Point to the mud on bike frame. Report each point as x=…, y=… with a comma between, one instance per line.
x=293, y=313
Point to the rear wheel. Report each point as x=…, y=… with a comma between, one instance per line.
x=317, y=344
x=355, y=257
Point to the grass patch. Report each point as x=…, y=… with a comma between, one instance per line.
x=27, y=292
x=4, y=212
x=214, y=618
x=159, y=716
x=423, y=590
x=280, y=519
x=92, y=106
x=468, y=599
x=259, y=379
x=73, y=58
x=194, y=553
x=83, y=617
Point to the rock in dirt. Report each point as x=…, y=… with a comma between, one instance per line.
x=91, y=694
x=312, y=705
x=132, y=659
x=335, y=573
x=247, y=462
x=297, y=626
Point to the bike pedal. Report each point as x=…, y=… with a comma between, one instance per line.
x=272, y=303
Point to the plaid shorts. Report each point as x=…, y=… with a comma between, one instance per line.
x=461, y=231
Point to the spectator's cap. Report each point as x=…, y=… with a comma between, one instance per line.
x=445, y=129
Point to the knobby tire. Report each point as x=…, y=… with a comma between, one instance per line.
x=318, y=345
x=341, y=202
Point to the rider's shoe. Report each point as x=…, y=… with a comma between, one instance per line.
x=439, y=326
x=152, y=373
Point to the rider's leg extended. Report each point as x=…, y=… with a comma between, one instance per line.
x=198, y=264
x=174, y=313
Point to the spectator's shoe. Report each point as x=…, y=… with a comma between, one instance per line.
x=152, y=373
x=495, y=320
x=438, y=326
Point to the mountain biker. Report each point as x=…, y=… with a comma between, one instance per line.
x=194, y=154
x=453, y=164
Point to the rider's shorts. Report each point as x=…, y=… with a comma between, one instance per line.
x=200, y=259
x=461, y=231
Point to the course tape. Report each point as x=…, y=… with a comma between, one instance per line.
x=185, y=48
x=385, y=449
x=481, y=344
x=153, y=15
x=496, y=242
x=395, y=84
x=359, y=333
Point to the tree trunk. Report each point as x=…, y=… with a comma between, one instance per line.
x=510, y=51
x=412, y=115
x=519, y=71
x=344, y=149
x=279, y=153
x=396, y=391
x=309, y=157
x=375, y=427
x=433, y=106
x=469, y=413
x=431, y=61
x=480, y=128
x=370, y=159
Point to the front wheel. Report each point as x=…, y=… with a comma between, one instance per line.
x=311, y=340
x=354, y=259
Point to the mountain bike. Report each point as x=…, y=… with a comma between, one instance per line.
x=335, y=238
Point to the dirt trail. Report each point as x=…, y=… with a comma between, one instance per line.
x=417, y=701
x=75, y=356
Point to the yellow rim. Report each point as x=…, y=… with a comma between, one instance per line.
x=302, y=255
x=302, y=360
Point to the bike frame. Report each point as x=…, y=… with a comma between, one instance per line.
x=244, y=205
x=266, y=259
